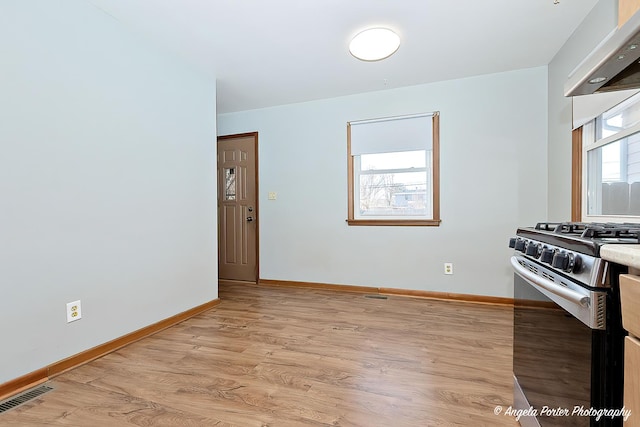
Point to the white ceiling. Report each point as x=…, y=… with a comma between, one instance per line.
x=266, y=53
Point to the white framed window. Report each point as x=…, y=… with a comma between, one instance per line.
x=611, y=153
x=394, y=170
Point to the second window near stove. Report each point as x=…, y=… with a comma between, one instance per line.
x=611, y=160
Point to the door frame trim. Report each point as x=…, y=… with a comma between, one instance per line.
x=256, y=183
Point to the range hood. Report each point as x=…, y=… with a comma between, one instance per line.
x=613, y=65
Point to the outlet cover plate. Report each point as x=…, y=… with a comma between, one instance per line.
x=74, y=311
x=448, y=268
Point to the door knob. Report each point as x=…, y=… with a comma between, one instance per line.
x=249, y=218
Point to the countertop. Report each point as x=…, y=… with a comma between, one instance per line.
x=622, y=254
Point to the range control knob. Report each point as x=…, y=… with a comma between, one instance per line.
x=577, y=264
x=563, y=261
x=532, y=250
x=512, y=242
x=547, y=255
x=520, y=244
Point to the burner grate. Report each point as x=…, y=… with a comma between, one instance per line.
x=547, y=226
x=625, y=232
x=608, y=232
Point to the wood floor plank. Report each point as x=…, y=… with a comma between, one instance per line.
x=270, y=356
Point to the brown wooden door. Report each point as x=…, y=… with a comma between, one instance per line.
x=238, y=207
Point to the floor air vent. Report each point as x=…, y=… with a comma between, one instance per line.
x=23, y=397
x=376, y=296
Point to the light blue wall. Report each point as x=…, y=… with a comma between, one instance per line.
x=493, y=179
x=600, y=21
x=107, y=182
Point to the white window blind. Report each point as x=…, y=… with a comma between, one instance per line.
x=587, y=107
x=393, y=134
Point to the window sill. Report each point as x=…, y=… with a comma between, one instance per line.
x=395, y=222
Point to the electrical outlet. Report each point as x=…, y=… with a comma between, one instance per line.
x=448, y=268
x=273, y=195
x=74, y=311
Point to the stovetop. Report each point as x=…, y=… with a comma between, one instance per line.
x=599, y=231
x=586, y=238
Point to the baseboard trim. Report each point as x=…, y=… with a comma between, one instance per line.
x=315, y=285
x=34, y=378
x=447, y=296
x=22, y=383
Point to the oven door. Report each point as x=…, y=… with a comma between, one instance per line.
x=559, y=348
x=587, y=305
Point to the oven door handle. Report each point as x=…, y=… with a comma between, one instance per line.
x=548, y=285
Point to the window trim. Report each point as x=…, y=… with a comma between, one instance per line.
x=435, y=171
x=576, y=175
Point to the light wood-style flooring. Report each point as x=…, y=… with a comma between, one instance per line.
x=270, y=356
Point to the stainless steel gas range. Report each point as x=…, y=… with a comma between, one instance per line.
x=568, y=336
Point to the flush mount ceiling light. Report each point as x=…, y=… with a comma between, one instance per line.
x=374, y=44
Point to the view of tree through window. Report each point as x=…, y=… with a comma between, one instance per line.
x=393, y=184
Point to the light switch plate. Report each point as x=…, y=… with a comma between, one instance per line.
x=273, y=195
